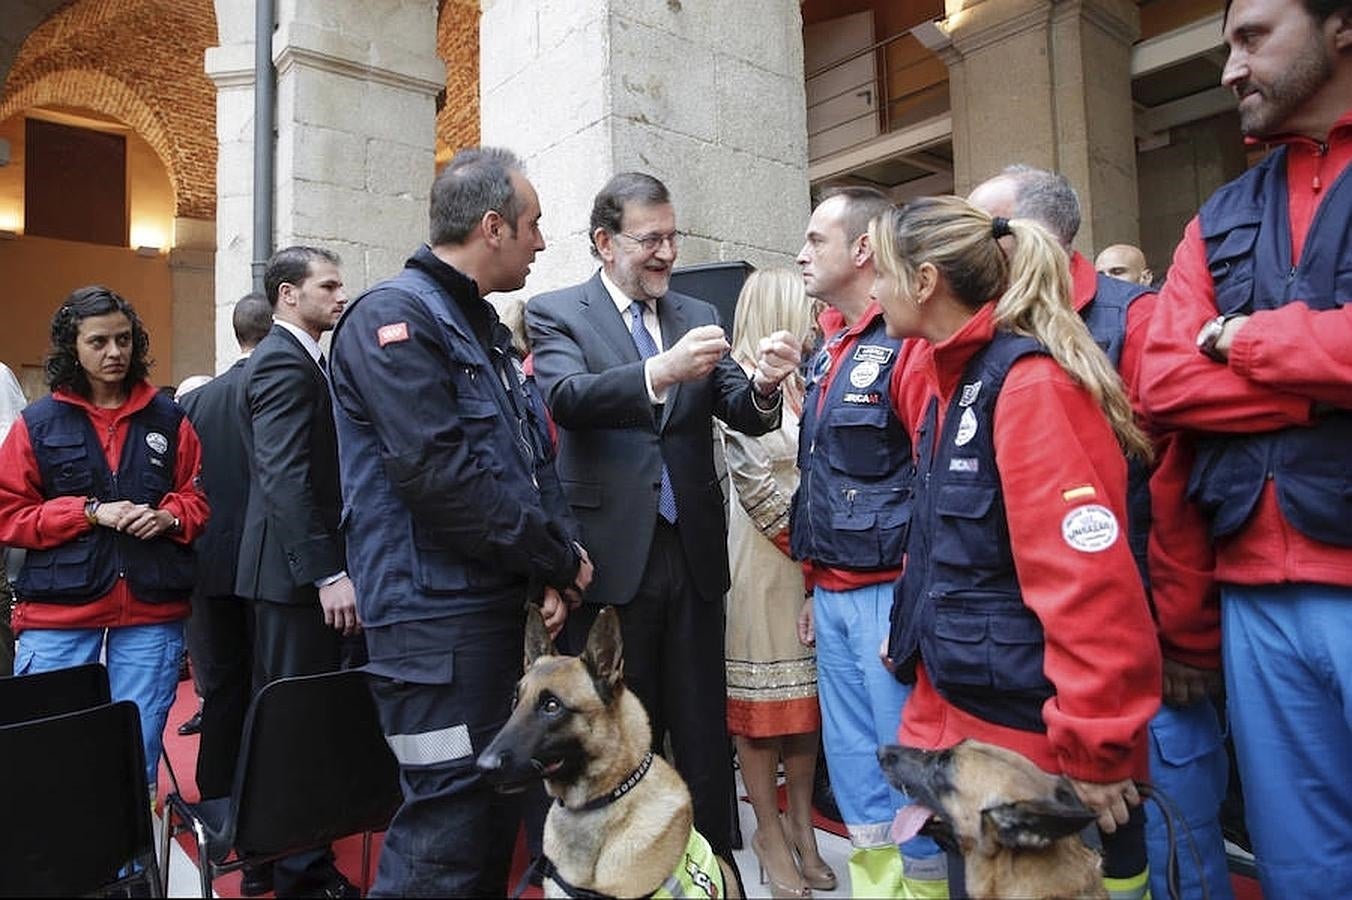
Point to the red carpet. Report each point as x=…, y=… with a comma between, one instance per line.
x=182, y=752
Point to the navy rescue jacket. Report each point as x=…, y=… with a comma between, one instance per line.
x=1246, y=229
x=853, y=503
x=71, y=462
x=452, y=505
x=1106, y=317
x=958, y=605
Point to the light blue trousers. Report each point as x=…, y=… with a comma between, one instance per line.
x=1287, y=651
x=861, y=709
x=142, y=665
x=1189, y=765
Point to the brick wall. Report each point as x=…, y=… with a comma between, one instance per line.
x=139, y=61
x=458, y=47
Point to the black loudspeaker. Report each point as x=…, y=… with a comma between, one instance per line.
x=718, y=283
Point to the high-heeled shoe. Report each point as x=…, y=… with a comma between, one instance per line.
x=816, y=873
x=778, y=888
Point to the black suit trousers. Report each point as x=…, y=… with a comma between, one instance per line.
x=673, y=661
x=220, y=644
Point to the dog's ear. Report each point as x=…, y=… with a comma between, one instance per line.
x=538, y=642
x=603, y=655
x=1035, y=824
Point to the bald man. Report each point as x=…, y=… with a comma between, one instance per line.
x=1125, y=262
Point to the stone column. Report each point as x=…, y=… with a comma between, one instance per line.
x=192, y=274
x=706, y=96
x=1049, y=84
x=230, y=67
x=356, y=119
x=356, y=91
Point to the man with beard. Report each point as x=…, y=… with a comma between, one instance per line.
x=636, y=461
x=1250, y=348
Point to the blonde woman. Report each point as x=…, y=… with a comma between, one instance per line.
x=1020, y=619
x=772, y=678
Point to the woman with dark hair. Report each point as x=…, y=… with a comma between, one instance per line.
x=1021, y=618
x=98, y=481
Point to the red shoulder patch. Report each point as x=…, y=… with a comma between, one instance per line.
x=389, y=334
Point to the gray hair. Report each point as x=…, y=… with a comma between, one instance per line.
x=1046, y=197
x=476, y=180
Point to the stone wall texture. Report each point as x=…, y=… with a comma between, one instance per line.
x=458, y=47
x=139, y=61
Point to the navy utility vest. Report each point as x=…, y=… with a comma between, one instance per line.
x=71, y=463
x=1247, y=232
x=958, y=606
x=853, y=504
x=420, y=576
x=1106, y=318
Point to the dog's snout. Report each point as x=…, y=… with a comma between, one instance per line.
x=493, y=760
x=887, y=755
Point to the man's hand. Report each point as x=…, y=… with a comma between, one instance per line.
x=339, y=602
x=807, y=629
x=778, y=358
x=1185, y=685
x=555, y=611
x=690, y=358
x=1110, y=801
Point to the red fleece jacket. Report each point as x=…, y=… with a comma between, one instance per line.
x=1055, y=452
x=27, y=520
x=1282, y=361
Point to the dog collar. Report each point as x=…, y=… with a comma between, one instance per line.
x=624, y=787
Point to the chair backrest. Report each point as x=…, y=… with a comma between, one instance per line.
x=43, y=694
x=77, y=808
x=314, y=765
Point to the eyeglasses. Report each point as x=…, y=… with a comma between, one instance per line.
x=650, y=242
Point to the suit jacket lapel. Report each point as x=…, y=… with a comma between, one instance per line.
x=600, y=310
x=671, y=316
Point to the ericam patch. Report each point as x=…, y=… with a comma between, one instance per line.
x=157, y=442
x=1090, y=528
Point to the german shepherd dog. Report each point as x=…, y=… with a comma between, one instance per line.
x=1016, y=826
x=622, y=816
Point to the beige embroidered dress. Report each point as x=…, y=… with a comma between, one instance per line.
x=772, y=678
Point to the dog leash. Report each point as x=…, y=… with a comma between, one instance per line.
x=1171, y=816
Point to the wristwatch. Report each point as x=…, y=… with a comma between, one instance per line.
x=1210, y=335
x=91, y=510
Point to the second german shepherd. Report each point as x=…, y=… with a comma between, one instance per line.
x=622, y=821
x=1016, y=826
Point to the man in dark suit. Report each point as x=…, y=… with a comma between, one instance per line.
x=291, y=556
x=636, y=461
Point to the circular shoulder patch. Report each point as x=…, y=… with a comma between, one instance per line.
x=157, y=442
x=864, y=374
x=1091, y=528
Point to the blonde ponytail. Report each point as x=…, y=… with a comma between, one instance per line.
x=1038, y=304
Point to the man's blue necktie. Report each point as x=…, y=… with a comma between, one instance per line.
x=666, y=500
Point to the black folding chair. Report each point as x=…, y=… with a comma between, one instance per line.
x=77, y=807
x=313, y=767
x=43, y=694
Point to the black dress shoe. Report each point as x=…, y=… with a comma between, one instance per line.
x=256, y=880
x=336, y=887
x=192, y=726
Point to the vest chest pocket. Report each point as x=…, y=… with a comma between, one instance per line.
x=67, y=459
x=861, y=443
x=1231, y=262
x=971, y=526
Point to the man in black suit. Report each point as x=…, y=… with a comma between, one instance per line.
x=291, y=556
x=636, y=461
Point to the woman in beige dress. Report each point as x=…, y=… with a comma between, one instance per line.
x=772, y=677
